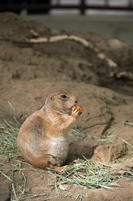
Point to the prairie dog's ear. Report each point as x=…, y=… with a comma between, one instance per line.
x=49, y=99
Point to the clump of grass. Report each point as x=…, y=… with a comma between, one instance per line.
x=8, y=135
x=85, y=173
x=128, y=123
x=77, y=133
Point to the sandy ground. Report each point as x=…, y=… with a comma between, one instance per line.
x=30, y=71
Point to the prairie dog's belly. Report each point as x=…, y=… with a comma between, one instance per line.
x=58, y=150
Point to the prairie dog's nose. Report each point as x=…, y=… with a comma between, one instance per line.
x=74, y=99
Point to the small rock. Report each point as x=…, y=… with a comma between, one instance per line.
x=129, y=163
x=116, y=44
x=109, y=152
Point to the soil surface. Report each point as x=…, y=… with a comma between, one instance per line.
x=30, y=71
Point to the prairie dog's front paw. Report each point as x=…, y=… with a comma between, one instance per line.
x=76, y=110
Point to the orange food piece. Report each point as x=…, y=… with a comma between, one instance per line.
x=77, y=107
x=73, y=107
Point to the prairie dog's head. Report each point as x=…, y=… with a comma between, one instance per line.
x=61, y=101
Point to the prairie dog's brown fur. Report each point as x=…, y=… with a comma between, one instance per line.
x=41, y=138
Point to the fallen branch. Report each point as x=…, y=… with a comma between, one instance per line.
x=83, y=41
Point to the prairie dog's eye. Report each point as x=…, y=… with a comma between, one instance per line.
x=63, y=96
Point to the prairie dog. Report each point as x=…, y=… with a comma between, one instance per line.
x=41, y=138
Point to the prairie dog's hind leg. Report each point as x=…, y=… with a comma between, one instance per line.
x=44, y=162
x=54, y=163
x=57, y=168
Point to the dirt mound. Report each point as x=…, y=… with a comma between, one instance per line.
x=94, y=69
x=14, y=28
